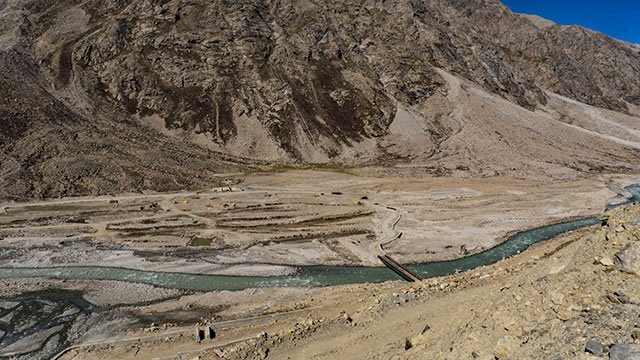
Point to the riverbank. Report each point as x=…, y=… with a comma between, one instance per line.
x=102, y=293
x=311, y=276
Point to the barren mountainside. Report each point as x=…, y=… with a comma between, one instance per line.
x=121, y=95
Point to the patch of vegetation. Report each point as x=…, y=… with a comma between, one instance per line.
x=48, y=208
x=277, y=168
x=202, y=241
x=317, y=221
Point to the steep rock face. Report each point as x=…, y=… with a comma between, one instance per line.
x=361, y=83
x=58, y=144
x=335, y=66
x=568, y=60
x=202, y=65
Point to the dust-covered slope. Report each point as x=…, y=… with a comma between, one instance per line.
x=102, y=96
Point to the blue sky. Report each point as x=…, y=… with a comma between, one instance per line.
x=617, y=18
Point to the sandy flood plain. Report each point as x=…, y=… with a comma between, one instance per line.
x=268, y=223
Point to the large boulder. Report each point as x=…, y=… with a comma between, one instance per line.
x=625, y=352
x=628, y=259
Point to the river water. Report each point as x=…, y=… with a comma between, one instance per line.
x=306, y=275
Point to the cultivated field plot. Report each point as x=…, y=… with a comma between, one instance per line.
x=207, y=228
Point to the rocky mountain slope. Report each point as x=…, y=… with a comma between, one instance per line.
x=103, y=96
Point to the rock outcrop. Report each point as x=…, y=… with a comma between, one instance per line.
x=628, y=259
